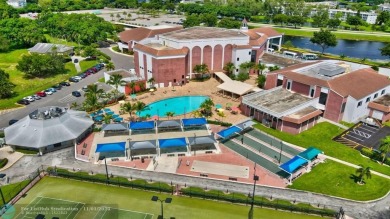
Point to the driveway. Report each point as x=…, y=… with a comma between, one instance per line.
x=64, y=97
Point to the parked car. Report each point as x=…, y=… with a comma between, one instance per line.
x=102, y=64
x=64, y=83
x=85, y=88
x=29, y=98
x=36, y=97
x=12, y=121
x=57, y=86
x=41, y=93
x=82, y=75
x=78, y=78
x=23, y=102
x=87, y=73
x=48, y=92
x=90, y=71
x=75, y=61
x=76, y=93
x=52, y=89
x=93, y=69
x=90, y=58
x=73, y=79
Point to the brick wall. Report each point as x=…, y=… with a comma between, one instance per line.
x=300, y=88
x=207, y=56
x=136, y=63
x=167, y=70
x=290, y=127
x=271, y=81
x=196, y=56
x=333, y=107
x=386, y=117
x=228, y=54
x=217, y=65
x=145, y=70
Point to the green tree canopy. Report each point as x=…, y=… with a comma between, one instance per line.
x=6, y=87
x=385, y=51
x=324, y=38
x=296, y=20
x=36, y=65
x=191, y=21
x=354, y=21
x=383, y=18
x=229, y=23
x=210, y=20
x=280, y=18
x=334, y=23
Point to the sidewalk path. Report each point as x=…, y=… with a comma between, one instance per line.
x=65, y=159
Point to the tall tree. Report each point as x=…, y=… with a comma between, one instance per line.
x=128, y=108
x=6, y=87
x=229, y=68
x=139, y=107
x=93, y=90
x=169, y=114
x=354, y=21
x=110, y=66
x=280, y=18
x=296, y=20
x=384, y=147
x=229, y=23
x=116, y=80
x=320, y=19
x=191, y=21
x=383, y=18
x=324, y=38
x=36, y=65
x=210, y=20
x=260, y=81
x=201, y=69
x=334, y=23
x=385, y=51
x=363, y=172
x=151, y=82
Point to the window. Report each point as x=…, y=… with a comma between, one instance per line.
x=238, y=59
x=312, y=92
x=182, y=76
x=323, y=97
x=237, y=70
x=288, y=85
x=383, y=92
x=368, y=99
x=343, y=107
x=359, y=104
x=375, y=95
x=253, y=55
x=279, y=82
x=174, y=80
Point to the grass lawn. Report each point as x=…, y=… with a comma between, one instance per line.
x=87, y=64
x=340, y=35
x=339, y=181
x=320, y=136
x=25, y=87
x=96, y=195
x=10, y=190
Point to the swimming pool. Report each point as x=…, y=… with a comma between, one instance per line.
x=178, y=105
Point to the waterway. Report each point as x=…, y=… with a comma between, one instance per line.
x=350, y=48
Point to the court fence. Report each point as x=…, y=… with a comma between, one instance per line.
x=276, y=204
x=240, y=198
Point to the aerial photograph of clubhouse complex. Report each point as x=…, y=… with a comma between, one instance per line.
x=194, y=109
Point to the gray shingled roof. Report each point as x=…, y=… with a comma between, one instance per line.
x=47, y=48
x=134, y=145
x=115, y=127
x=36, y=133
x=201, y=140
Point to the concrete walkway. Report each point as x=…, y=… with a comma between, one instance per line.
x=65, y=159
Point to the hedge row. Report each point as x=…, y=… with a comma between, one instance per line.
x=113, y=180
x=374, y=155
x=3, y=162
x=259, y=201
x=219, y=123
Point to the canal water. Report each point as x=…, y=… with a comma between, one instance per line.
x=350, y=48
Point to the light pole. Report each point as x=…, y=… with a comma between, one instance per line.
x=105, y=164
x=255, y=178
x=167, y=200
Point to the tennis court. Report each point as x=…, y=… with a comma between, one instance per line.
x=53, y=208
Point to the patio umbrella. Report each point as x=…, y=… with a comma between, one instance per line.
x=235, y=109
x=115, y=116
x=107, y=110
x=118, y=119
x=121, y=102
x=110, y=113
x=155, y=117
x=218, y=106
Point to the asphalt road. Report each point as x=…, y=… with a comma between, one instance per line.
x=64, y=97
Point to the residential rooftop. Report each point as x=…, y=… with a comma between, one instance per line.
x=204, y=33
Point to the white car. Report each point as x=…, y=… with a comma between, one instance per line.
x=48, y=92
x=36, y=97
x=78, y=78
x=29, y=98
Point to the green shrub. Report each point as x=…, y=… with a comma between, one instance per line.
x=374, y=155
x=1, y=134
x=104, y=55
x=116, y=49
x=242, y=76
x=226, y=124
x=3, y=162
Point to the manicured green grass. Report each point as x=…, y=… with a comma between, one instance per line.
x=87, y=64
x=320, y=136
x=136, y=200
x=10, y=190
x=348, y=124
x=339, y=35
x=340, y=181
x=101, y=80
x=25, y=87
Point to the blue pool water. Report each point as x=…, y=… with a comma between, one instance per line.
x=178, y=105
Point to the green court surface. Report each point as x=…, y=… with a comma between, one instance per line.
x=68, y=199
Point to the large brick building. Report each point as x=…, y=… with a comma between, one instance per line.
x=170, y=57
x=296, y=96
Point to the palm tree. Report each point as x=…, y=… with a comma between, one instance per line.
x=74, y=105
x=94, y=90
x=169, y=114
x=363, y=172
x=118, y=16
x=91, y=103
x=132, y=86
x=139, y=107
x=201, y=69
x=229, y=68
x=207, y=106
x=107, y=118
x=129, y=15
x=110, y=66
x=196, y=114
x=141, y=86
x=260, y=68
x=260, y=80
x=128, y=108
x=151, y=81
x=246, y=66
x=384, y=147
x=117, y=81
x=221, y=114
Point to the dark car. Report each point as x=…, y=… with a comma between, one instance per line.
x=72, y=79
x=98, y=67
x=76, y=93
x=75, y=61
x=64, y=83
x=41, y=93
x=90, y=71
x=87, y=73
x=23, y=102
x=57, y=86
x=93, y=69
x=12, y=121
x=82, y=75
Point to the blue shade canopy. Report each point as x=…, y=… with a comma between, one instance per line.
x=142, y=125
x=116, y=146
x=293, y=164
x=218, y=106
x=229, y=131
x=172, y=142
x=194, y=122
x=310, y=153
